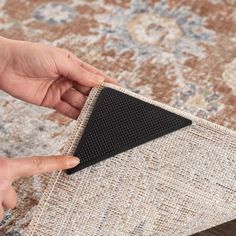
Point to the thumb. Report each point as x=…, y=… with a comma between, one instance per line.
x=29, y=166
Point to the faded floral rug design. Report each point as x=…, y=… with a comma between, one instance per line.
x=179, y=52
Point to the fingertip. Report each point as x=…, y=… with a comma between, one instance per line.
x=99, y=80
x=72, y=161
x=111, y=80
x=86, y=78
x=115, y=82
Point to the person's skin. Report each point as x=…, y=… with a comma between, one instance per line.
x=45, y=76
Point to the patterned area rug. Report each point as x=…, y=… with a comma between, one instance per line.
x=179, y=52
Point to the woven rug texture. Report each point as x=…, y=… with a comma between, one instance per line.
x=178, y=52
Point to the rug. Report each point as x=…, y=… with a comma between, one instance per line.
x=177, y=184
x=181, y=53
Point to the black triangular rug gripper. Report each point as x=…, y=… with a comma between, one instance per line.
x=120, y=122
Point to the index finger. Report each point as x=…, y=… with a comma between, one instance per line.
x=97, y=71
x=29, y=166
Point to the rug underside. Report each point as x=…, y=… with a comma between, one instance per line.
x=177, y=184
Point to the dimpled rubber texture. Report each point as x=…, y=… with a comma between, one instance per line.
x=120, y=122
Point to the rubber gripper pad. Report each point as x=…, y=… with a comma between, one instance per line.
x=120, y=122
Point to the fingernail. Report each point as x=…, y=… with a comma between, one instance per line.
x=100, y=80
x=73, y=161
x=116, y=82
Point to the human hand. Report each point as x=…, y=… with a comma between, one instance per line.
x=47, y=76
x=12, y=169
